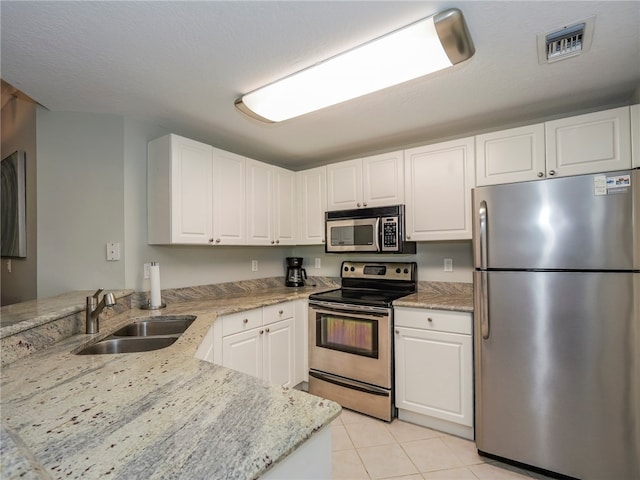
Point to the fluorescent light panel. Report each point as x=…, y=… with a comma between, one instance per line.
x=423, y=47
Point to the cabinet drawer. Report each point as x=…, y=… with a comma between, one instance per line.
x=241, y=321
x=275, y=313
x=437, y=320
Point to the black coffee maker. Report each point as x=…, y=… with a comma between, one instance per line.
x=296, y=275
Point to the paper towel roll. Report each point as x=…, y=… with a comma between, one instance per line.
x=154, y=275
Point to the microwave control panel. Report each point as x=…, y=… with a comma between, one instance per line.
x=390, y=234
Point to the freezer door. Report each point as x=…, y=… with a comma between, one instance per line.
x=584, y=222
x=557, y=371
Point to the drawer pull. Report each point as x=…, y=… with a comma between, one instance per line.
x=266, y=330
x=280, y=312
x=261, y=332
x=429, y=319
x=246, y=320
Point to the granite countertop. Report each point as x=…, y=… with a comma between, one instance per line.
x=161, y=414
x=440, y=296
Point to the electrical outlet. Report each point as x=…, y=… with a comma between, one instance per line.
x=254, y=265
x=113, y=251
x=448, y=264
x=147, y=270
x=318, y=263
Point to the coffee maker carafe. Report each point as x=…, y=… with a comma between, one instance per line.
x=296, y=275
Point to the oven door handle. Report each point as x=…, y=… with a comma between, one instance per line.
x=331, y=307
x=344, y=382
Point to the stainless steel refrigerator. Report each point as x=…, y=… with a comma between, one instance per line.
x=557, y=324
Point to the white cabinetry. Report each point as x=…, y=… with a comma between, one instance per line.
x=439, y=179
x=591, y=143
x=229, y=203
x=366, y=182
x=513, y=155
x=179, y=193
x=261, y=342
x=312, y=203
x=195, y=193
x=434, y=369
x=270, y=204
x=635, y=136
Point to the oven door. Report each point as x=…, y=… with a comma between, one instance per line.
x=351, y=341
x=352, y=235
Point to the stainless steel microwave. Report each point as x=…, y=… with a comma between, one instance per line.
x=367, y=230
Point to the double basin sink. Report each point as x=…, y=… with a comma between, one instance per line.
x=144, y=335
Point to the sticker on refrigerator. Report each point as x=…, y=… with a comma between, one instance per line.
x=618, y=184
x=600, y=185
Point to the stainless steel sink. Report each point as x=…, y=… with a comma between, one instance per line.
x=144, y=335
x=128, y=345
x=168, y=325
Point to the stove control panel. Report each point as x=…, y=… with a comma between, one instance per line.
x=379, y=270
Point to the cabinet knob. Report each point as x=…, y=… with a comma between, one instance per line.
x=266, y=330
x=358, y=204
x=397, y=331
x=323, y=240
x=429, y=319
x=364, y=204
x=408, y=237
x=540, y=174
x=245, y=320
x=280, y=312
x=277, y=241
x=272, y=242
x=552, y=172
x=217, y=240
x=261, y=332
x=211, y=240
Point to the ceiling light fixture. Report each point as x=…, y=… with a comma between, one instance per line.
x=424, y=47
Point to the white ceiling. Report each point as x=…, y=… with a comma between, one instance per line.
x=181, y=65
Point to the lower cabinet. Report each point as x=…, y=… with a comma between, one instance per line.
x=260, y=342
x=434, y=369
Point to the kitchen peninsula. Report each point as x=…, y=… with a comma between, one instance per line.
x=160, y=414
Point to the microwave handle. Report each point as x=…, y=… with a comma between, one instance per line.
x=378, y=238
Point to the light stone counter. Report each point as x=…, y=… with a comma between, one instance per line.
x=440, y=296
x=153, y=415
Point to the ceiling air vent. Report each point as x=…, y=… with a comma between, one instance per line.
x=566, y=42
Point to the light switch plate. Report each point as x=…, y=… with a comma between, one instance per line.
x=448, y=264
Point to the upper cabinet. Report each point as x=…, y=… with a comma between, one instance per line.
x=635, y=136
x=508, y=156
x=366, y=182
x=591, y=143
x=439, y=179
x=229, y=200
x=270, y=204
x=312, y=203
x=179, y=191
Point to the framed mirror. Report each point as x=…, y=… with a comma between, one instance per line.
x=13, y=226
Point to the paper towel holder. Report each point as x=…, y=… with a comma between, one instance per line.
x=147, y=306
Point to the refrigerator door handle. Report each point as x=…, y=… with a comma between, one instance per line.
x=482, y=216
x=481, y=303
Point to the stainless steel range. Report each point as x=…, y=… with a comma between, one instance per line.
x=350, y=336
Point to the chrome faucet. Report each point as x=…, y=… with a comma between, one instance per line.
x=94, y=308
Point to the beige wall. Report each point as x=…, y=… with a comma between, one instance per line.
x=19, y=133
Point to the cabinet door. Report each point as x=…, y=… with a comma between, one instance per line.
x=344, y=185
x=591, y=143
x=439, y=179
x=635, y=136
x=229, y=203
x=279, y=353
x=312, y=203
x=383, y=179
x=514, y=155
x=191, y=191
x=434, y=374
x=259, y=203
x=244, y=352
x=284, y=206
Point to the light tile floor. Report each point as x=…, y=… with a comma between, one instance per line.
x=370, y=449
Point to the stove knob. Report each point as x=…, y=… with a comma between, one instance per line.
x=353, y=269
x=398, y=270
x=346, y=269
x=406, y=270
